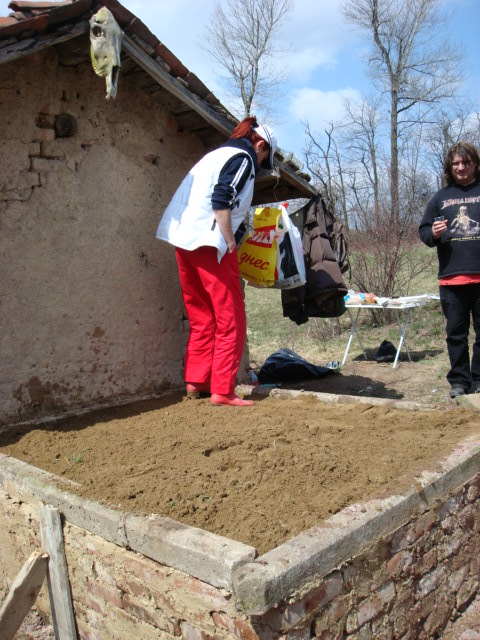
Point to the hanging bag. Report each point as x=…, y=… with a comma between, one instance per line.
x=290, y=271
x=257, y=254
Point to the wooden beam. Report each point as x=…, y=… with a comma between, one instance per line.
x=24, y=48
x=22, y=594
x=63, y=617
x=176, y=88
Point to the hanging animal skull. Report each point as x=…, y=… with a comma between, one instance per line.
x=106, y=44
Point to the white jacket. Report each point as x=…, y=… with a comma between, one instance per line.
x=189, y=221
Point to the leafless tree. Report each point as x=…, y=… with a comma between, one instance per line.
x=451, y=127
x=243, y=38
x=409, y=63
x=325, y=164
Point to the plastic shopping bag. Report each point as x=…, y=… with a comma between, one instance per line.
x=257, y=255
x=290, y=261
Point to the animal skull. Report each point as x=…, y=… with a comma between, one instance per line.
x=106, y=44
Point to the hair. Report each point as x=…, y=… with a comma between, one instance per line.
x=246, y=129
x=466, y=151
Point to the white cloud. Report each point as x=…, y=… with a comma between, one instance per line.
x=319, y=108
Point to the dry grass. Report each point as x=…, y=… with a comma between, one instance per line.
x=321, y=340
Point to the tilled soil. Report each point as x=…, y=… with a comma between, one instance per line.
x=257, y=474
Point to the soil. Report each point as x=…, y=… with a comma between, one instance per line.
x=258, y=474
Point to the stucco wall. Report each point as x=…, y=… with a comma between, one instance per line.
x=90, y=309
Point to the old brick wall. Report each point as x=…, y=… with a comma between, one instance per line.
x=91, y=309
x=406, y=585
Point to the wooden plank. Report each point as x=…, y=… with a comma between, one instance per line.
x=173, y=86
x=22, y=594
x=23, y=48
x=63, y=617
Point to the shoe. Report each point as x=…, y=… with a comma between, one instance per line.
x=457, y=390
x=230, y=400
x=198, y=390
x=475, y=389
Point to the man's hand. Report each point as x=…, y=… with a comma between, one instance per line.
x=224, y=221
x=438, y=227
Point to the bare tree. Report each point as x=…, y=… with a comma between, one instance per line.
x=413, y=67
x=325, y=164
x=242, y=38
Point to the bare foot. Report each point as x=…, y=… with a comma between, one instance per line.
x=198, y=389
x=230, y=400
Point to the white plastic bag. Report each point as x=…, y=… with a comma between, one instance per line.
x=290, y=271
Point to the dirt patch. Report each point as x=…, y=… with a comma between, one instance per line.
x=259, y=475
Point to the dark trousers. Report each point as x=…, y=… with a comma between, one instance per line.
x=458, y=303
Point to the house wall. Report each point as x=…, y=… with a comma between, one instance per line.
x=90, y=309
x=359, y=576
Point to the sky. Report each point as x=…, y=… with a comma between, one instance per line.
x=322, y=56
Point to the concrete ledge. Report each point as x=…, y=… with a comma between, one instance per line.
x=291, y=569
x=201, y=554
x=344, y=399
x=197, y=552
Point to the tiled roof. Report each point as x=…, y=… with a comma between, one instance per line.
x=32, y=26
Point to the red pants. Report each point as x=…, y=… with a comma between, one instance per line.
x=214, y=304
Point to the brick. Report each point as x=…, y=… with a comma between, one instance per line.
x=43, y=135
x=51, y=150
x=239, y=628
x=425, y=563
x=422, y=525
x=149, y=614
x=330, y=588
x=430, y=582
x=23, y=180
x=371, y=607
x=451, y=506
x=451, y=545
x=363, y=634
x=45, y=121
x=473, y=493
x=34, y=149
x=110, y=594
x=398, y=563
x=338, y=608
x=466, y=593
x=457, y=578
x=190, y=632
x=400, y=540
x=46, y=166
x=466, y=518
x=436, y=620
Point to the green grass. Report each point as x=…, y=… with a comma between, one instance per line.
x=321, y=340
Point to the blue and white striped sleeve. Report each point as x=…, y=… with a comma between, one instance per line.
x=231, y=181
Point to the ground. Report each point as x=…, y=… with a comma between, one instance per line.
x=263, y=474
x=257, y=474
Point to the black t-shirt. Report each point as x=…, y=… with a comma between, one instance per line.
x=458, y=248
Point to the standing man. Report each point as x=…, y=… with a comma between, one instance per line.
x=200, y=222
x=451, y=223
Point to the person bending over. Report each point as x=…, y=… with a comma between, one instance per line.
x=200, y=222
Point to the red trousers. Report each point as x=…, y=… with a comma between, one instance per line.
x=216, y=312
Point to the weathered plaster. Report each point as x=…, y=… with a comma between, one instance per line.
x=91, y=310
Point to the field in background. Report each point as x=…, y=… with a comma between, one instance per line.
x=322, y=340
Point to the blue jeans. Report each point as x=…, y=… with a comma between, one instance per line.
x=458, y=303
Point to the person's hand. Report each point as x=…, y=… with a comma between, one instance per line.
x=438, y=227
x=224, y=221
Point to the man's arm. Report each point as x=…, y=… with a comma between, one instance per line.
x=223, y=218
